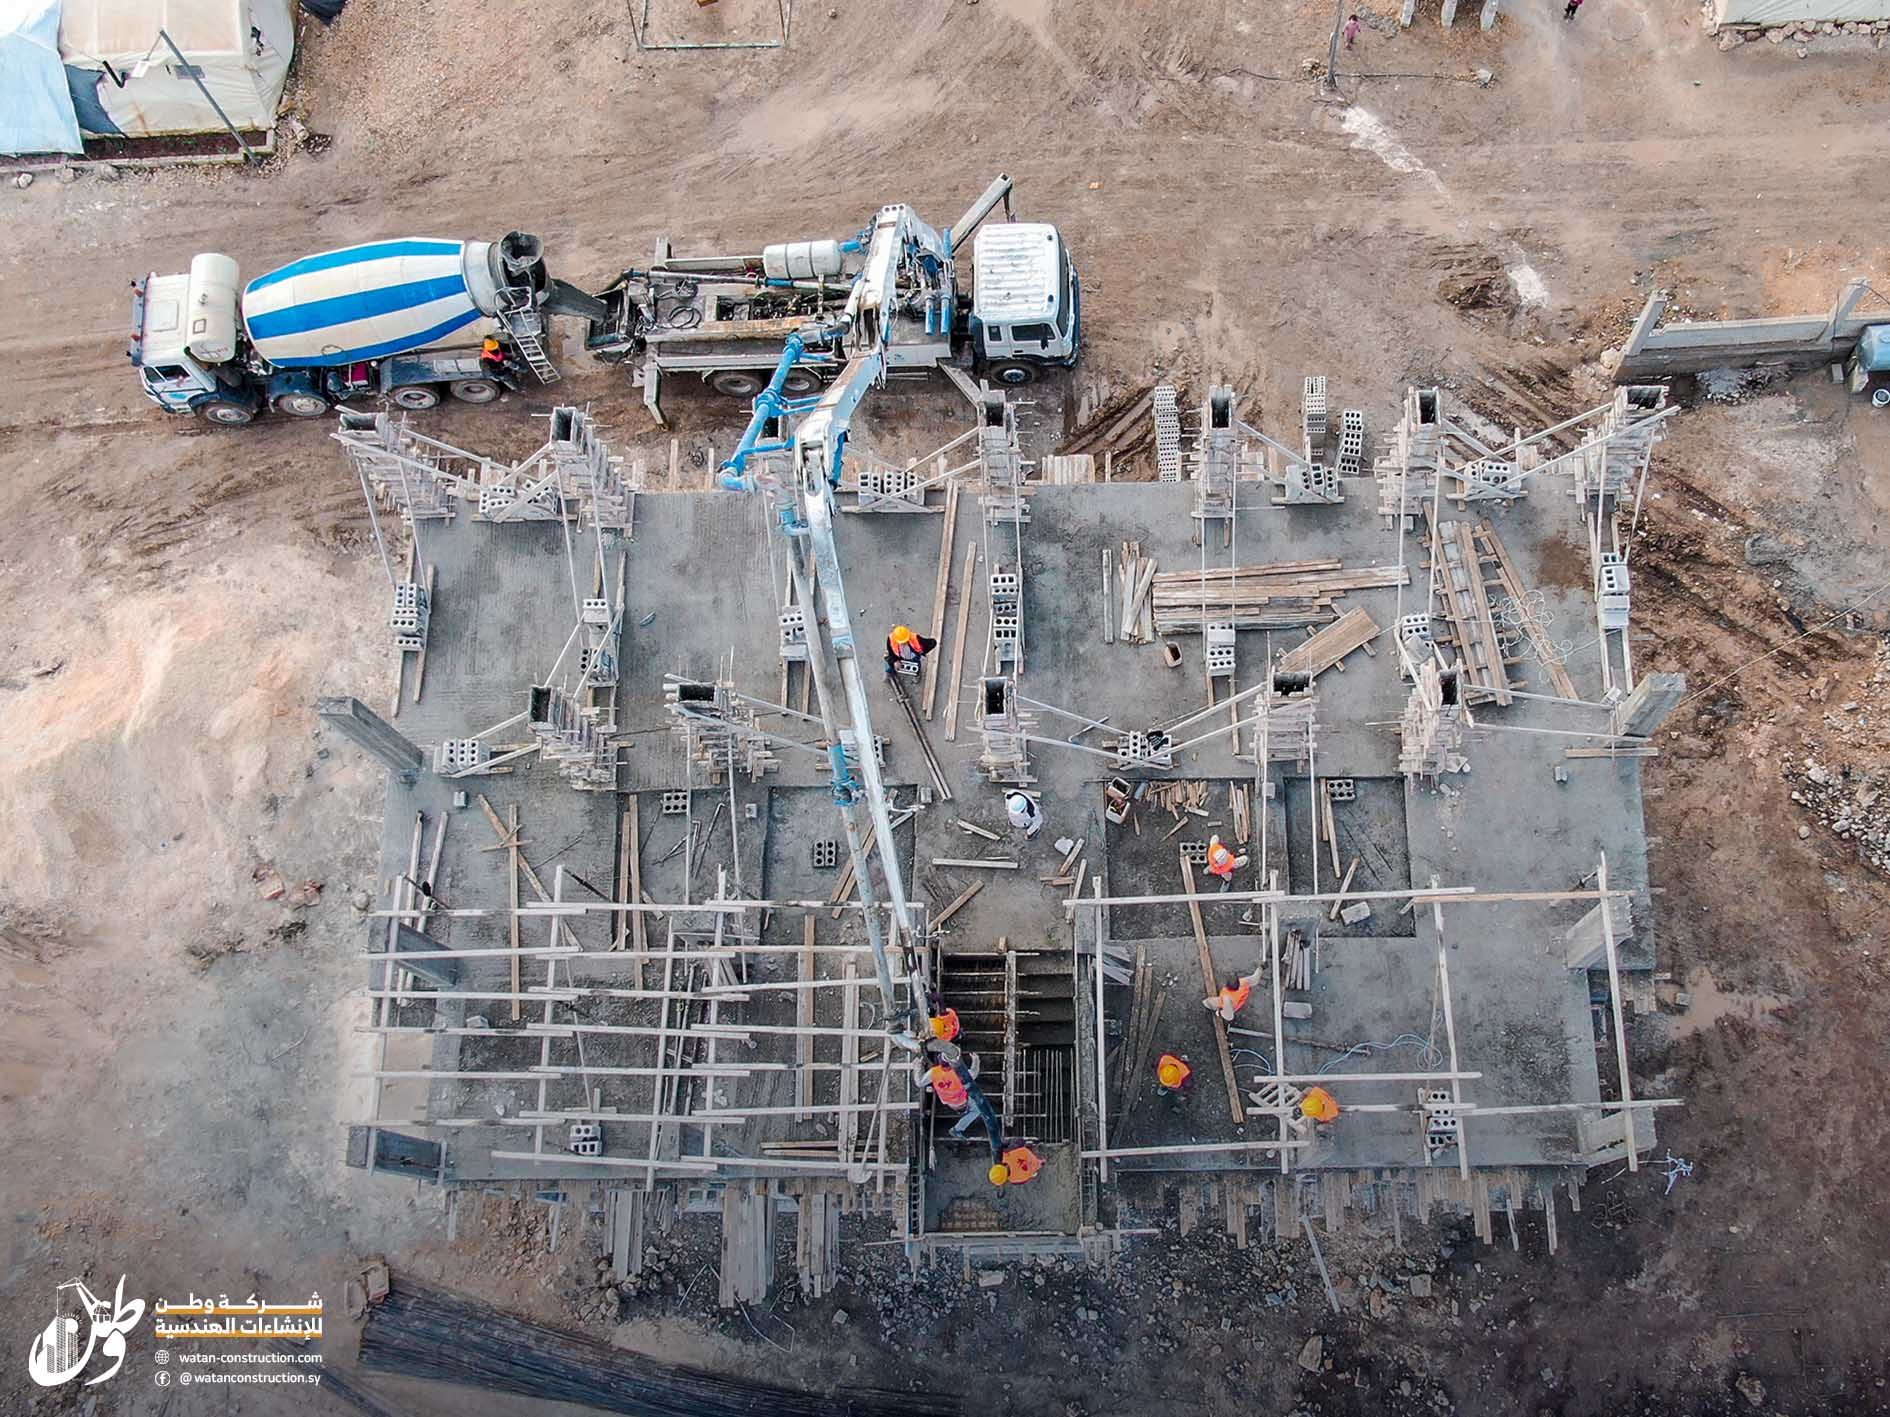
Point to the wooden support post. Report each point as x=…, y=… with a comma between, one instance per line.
x=511, y=822
x=1212, y=986
x=1620, y=1029
x=929, y=690
x=804, y=1019
x=970, y=584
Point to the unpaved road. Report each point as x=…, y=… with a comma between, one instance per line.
x=171, y=1070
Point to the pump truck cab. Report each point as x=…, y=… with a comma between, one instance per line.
x=399, y=320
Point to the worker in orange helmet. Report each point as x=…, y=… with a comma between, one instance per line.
x=1232, y=998
x=945, y=1026
x=1319, y=1106
x=1174, y=1078
x=905, y=648
x=1222, y=862
x=1019, y=1165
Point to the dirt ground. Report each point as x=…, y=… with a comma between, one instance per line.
x=174, y=598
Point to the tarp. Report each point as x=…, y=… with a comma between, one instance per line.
x=35, y=109
x=1798, y=12
x=1873, y=349
x=239, y=48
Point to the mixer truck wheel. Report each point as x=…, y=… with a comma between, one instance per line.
x=301, y=405
x=800, y=382
x=1014, y=372
x=736, y=384
x=474, y=390
x=417, y=396
x=227, y=412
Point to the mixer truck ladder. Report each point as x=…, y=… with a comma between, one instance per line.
x=526, y=326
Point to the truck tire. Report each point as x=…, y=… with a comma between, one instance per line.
x=300, y=405
x=474, y=390
x=416, y=396
x=226, y=413
x=736, y=383
x=1014, y=372
x=800, y=382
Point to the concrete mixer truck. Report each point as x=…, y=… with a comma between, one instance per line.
x=401, y=320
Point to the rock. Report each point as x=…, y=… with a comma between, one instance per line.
x=1309, y=1354
x=1377, y=1303
x=1804, y=833
x=990, y=1278
x=1728, y=41
x=839, y=1318
x=105, y=172
x=68, y=174
x=1751, y=1389
x=1420, y=1286
x=1801, y=51
x=23, y=180
x=1775, y=36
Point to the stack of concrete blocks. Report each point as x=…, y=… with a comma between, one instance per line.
x=1137, y=749
x=1416, y=644
x=1167, y=434
x=1312, y=417
x=1434, y=728
x=1612, y=590
x=1003, y=727
x=597, y=657
x=1217, y=455
x=1415, y=459
x=885, y=488
x=1486, y=480
x=412, y=613
x=421, y=476
x=1218, y=647
x=570, y=736
x=1007, y=617
x=1001, y=461
x=1351, y=442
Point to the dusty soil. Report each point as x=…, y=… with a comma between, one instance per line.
x=173, y=599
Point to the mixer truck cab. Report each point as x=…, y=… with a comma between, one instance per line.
x=366, y=321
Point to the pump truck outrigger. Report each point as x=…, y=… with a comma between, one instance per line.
x=377, y=320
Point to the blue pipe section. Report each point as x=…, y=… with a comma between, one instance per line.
x=769, y=404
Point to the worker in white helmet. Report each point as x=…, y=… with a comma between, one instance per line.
x=1026, y=816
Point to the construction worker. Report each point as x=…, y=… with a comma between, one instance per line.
x=957, y=1087
x=1174, y=1078
x=905, y=649
x=1016, y=1167
x=1026, y=816
x=1233, y=997
x=945, y=1026
x=492, y=356
x=1222, y=862
x=1319, y=1106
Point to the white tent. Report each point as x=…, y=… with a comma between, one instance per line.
x=35, y=109
x=240, y=48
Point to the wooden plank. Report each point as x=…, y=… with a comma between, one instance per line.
x=1546, y=652
x=967, y=863
x=1331, y=644
x=850, y=1060
x=1344, y=885
x=959, y=904
x=511, y=822
x=970, y=583
x=804, y=1019
x=420, y=659
x=939, y=592
x=1211, y=988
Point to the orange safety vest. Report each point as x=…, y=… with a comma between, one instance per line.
x=1022, y=1163
x=1171, y=1072
x=1235, y=997
x=1220, y=860
x=948, y=1087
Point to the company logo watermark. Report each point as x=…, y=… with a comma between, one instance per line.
x=56, y=1356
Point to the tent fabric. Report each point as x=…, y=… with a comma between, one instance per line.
x=1792, y=12
x=36, y=114
x=242, y=49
